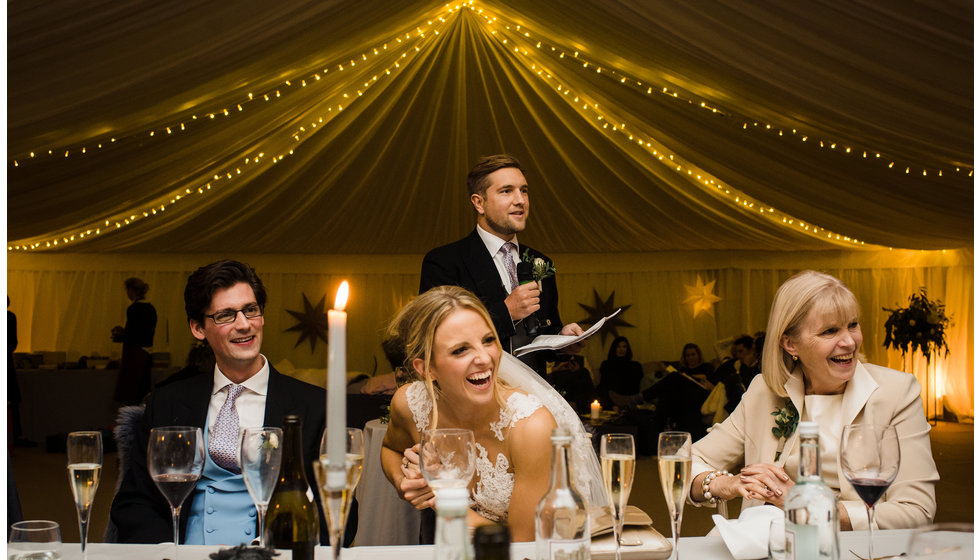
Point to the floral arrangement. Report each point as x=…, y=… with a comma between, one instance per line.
x=540, y=268
x=786, y=420
x=919, y=327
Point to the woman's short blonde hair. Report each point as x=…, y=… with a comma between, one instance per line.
x=793, y=302
x=414, y=328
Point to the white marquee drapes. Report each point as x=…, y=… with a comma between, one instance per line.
x=71, y=301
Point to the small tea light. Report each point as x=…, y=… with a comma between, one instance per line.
x=596, y=409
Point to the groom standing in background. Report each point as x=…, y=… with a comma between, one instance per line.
x=485, y=261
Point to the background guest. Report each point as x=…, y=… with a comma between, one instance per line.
x=737, y=373
x=619, y=373
x=141, y=322
x=570, y=377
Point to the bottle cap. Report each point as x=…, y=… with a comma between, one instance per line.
x=496, y=534
x=809, y=428
x=561, y=435
x=453, y=499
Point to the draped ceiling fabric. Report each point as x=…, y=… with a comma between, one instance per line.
x=659, y=133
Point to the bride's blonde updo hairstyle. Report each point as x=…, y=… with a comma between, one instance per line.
x=414, y=327
x=794, y=300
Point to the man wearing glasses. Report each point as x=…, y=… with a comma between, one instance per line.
x=224, y=302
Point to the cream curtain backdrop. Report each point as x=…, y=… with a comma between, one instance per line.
x=70, y=301
x=320, y=139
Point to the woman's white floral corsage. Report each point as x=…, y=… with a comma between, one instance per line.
x=540, y=268
x=786, y=420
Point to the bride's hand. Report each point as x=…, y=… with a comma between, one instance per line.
x=413, y=487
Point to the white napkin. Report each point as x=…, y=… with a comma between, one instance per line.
x=747, y=537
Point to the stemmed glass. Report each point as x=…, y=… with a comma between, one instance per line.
x=870, y=457
x=674, y=461
x=175, y=458
x=336, y=504
x=618, y=457
x=261, y=457
x=447, y=458
x=84, y=472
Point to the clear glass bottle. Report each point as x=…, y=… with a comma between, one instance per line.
x=561, y=523
x=292, y=522
x=452, y=532
x=812, y=525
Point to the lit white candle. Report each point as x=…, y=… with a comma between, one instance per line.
x=596, y=409
x=337, y=391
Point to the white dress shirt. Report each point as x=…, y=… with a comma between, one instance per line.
x=250, y=403
x=494, y=244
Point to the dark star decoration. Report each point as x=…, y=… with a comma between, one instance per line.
x=312, y=323
x=604, y=309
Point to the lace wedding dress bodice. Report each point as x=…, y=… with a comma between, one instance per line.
x=494, y=481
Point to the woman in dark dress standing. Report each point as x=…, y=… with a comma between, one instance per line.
x=141, y=321
x=619, y=373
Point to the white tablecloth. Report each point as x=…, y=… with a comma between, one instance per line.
x=696, y=548
x=383, y=518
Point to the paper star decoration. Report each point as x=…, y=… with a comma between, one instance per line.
x=312, y=323
x=604, y=309
x=702, y=297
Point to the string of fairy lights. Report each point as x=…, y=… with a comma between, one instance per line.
x=400, y=48
x=517, y=33
x=525, y=46
x=360, y=72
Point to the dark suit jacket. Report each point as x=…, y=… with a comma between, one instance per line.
x=467, y=263
x=140, y=511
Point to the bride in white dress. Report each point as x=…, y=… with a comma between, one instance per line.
x=469, y=382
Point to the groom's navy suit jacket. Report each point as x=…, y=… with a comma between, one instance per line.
x=139, y=510
x=468, y=264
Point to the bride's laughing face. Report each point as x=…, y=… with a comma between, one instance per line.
x=465, y=357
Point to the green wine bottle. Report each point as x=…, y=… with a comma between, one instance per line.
x=292, y=522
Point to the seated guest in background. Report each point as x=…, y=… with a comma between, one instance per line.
x=679, y=396
x=692, y=363
x=619, y=373
x=811, y=359
x=469, y=382
x=570, y=378
x=736, y=374
x=224, y=302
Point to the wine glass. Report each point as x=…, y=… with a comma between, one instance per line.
x=870, y=457
x=84, y=471
x=447, y=458
x=261, y=457
x=674, y=461
x=175, y=458
x=618, y=457
x=336, y=503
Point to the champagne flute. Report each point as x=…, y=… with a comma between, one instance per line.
x=674, y=461
x=870, y=457
x=447, y=458
x=261, y=457
x=618, y=457
x=84, y=471
x=175, y=458
x=336, y=504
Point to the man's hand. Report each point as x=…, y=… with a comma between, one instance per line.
x=524, y=300
x=572, y=329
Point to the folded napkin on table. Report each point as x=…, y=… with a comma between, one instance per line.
x=747, y=537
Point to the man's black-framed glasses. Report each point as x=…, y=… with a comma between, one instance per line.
x=225, y=316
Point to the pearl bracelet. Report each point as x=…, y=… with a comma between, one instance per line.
x=707, y=481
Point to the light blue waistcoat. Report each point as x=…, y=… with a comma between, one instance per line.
x=222, y=511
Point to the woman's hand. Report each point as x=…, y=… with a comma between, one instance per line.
x=413, y=488
x=766, y=482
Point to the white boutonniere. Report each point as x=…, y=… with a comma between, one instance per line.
x=540, y=268
x=786, y=420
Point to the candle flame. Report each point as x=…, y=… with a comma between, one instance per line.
x=341, y=301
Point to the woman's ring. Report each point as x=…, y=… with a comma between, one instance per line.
x=405, y=463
